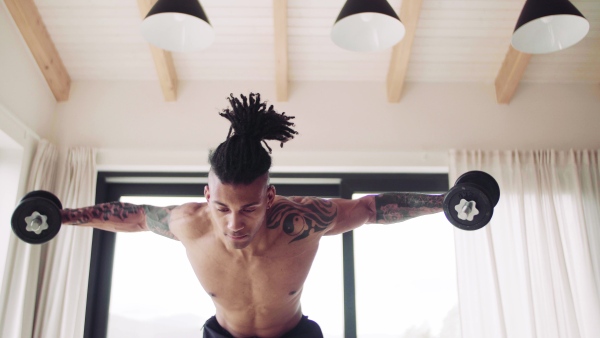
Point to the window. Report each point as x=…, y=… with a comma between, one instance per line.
x=156, y=294
x=406, y=279
x=359, y=273
x=154, y=290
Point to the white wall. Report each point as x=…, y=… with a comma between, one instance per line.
x=27, y=106
x=23, y=89
x=27, y=109
x=340, y=124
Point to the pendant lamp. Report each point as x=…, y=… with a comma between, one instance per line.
x=367, y=26
x=547, y=26
x=178, y=26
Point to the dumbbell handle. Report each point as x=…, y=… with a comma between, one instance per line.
x=468, y=207
x=36, y=223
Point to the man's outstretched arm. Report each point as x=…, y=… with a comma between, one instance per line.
x=402, y=206
x=384, y=208
x=122, y=217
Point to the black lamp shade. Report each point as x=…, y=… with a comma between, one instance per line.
x=367, y=25
x=178, y=26
x=546, y=26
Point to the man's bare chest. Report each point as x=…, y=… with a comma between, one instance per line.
x=266, y=280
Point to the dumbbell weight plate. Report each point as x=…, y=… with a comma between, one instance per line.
x=468, y=192
x=485, y=181
x=43, y=194
x=26, y=208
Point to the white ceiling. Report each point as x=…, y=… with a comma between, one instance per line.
x=456, y=41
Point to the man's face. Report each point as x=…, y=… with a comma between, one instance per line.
x=239, y=210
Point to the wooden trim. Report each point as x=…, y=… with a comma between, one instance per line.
x=281, y=49
x=409, y=14
x=30, y=23
x=165, y=68
x=510, y=74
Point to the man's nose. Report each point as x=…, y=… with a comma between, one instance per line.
x=235, y=223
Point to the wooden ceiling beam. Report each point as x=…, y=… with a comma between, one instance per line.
x=32, y=28
x=165, y=68
x=409, y=15
x=281, y=49
x=510, y=74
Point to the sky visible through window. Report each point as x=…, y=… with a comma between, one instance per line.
x=405, y=282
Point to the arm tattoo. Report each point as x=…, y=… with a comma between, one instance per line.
x=397, y=207
x=299, y=219
x=114, y=211
x=157, y=219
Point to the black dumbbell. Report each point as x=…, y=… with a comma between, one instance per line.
x=37, y=218
x=469, y=205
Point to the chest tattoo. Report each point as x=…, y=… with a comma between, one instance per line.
x=299, y=220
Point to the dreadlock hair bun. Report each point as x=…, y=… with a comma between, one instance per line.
x=241, y=158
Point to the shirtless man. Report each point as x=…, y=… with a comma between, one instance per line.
x=250, y=248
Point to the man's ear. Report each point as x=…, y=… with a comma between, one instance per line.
x=270, y=195
x=206, y=193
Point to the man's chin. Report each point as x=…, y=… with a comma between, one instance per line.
x=239, y=242
x=240, y=246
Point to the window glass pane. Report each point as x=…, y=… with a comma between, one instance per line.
x=406, y=279
x=155, y=292
x=323, y=294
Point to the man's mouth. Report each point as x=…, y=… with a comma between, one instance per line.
x=237, y=236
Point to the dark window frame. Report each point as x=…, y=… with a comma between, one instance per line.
x=103, y=244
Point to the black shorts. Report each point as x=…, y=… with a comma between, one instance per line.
x=306, y=328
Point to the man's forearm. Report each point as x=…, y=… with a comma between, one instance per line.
x=114, y=216
x=401, y=206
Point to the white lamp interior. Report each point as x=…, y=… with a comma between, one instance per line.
x=367, y=32
x=550, y=34
x=177, y=32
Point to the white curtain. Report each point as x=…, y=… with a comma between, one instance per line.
x=534, y=271
x=47, y=284
x=60, y=310
x=19, y=285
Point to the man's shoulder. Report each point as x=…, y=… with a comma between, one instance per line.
x=304, y=203
x=299, y=201
x=190, y=219
x=191, y=208
x=301, y=217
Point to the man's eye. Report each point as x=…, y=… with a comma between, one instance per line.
x=249, y=210
x=223, y=210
